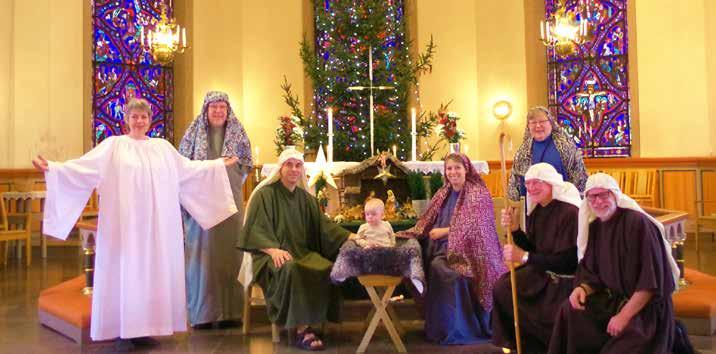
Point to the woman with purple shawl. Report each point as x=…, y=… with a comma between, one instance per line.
x=463, y=256
x=212, y=260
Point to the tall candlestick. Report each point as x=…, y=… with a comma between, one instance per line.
x=330, y=134
x=413, y=136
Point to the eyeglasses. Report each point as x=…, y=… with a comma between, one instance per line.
x=533, y=123
x=531, y=183
x=601, y=196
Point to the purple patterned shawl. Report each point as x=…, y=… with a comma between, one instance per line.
x=194, y=145
x=473, y=246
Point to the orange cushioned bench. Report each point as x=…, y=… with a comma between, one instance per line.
x=695, y=305
x=65, y=309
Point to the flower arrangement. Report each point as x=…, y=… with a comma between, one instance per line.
x=288, y=133
x=447, y=127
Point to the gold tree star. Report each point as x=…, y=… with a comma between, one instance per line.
x=384, y=170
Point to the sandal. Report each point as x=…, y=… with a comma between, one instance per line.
x=305, y=338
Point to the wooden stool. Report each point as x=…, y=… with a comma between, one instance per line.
x=249, y=299
x=383, y=310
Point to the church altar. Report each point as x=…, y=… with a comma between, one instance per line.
x=354, y=182
x=423, y=167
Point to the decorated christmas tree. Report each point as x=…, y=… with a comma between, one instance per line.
x=347, y=34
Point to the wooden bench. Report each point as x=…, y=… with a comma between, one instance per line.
x=66, y=310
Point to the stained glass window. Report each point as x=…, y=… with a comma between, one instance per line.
x=122, y=69
x=589, y=88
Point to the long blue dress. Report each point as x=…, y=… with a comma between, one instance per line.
x=453, y=315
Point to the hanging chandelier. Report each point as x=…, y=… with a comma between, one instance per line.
x=563, y=31
x=165, y=40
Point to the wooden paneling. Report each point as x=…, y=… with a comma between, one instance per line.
x=7, y=173
x=708, y=185
x=635, y=162
x=655, y=162
x=679, y=183
x=680, y=191
x=252, y=180
x=493, y=180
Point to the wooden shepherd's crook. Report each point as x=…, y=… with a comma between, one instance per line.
x=513, y=282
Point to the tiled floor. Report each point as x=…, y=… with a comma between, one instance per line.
x=20, y=331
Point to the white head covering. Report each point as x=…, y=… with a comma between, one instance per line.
x=561, y=190
x=587, y=215
x=276, y=173
x=246, y=271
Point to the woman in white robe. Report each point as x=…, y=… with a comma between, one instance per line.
x=139, y=286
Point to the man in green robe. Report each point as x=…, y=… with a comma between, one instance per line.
x=293, y=246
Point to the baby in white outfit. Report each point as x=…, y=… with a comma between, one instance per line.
x=375, y=232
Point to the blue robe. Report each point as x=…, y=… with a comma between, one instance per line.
x=545, y=151
x=453, y=314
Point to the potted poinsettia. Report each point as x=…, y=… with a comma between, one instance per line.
x=288, y=134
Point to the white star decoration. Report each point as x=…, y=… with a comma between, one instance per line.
x=320, y=169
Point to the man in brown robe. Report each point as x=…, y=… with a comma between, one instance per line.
x=622, y=302
x=548, y=253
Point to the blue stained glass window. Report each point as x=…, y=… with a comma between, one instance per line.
x=123, y=69
x=589, y=88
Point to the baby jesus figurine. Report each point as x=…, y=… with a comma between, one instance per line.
x=376, y=232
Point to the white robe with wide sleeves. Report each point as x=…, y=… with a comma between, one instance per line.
x=139, y=266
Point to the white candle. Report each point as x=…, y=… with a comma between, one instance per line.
x=183, y=37
x=541, y=30
x=330, y=134
x=584, y=28
x=257, y=156
x=395, y=151
x=413, y=135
